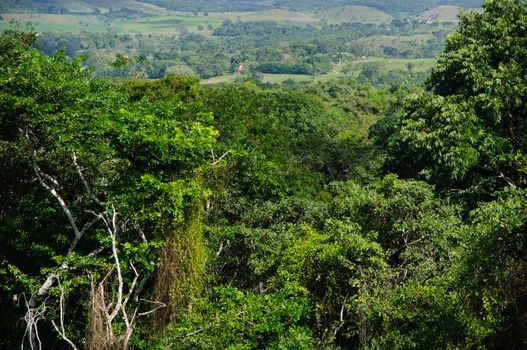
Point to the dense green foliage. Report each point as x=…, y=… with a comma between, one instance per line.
x=477, y=97
x=333, y=215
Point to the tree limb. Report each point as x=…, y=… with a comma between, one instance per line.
x=62, y=331
x=216, y=162
x=83, y=179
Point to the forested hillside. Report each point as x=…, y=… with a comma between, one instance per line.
x=390, y=6
x=168, y=214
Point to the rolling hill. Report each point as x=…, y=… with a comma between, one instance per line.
x=362, y=14
x=149, y=7
x=444, y=13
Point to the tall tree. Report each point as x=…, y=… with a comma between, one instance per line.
x=468, y=131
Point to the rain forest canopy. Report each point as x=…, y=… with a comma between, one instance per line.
x=384, y=210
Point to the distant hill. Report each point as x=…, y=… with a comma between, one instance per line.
x=392, y=7
x=81, y=6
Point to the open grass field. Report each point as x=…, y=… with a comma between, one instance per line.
x=419, y=64
x=279, y=16
x=380, y=40
x=361, y=14
x=57, y=23
x=378, y=43
x=445, y=13
x=146, y=8
x=192, y=22
x=267, y=78
x=159, y=23
x=340, y=71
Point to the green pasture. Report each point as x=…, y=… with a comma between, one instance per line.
x=361, y=14
x=151, y=24
x=445, y=13
x=57, y=23
x=402, y=42
x=389, y=64
x=339, y=71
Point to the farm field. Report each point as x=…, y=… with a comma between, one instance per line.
x=160, y=20
x=444, y=13
x=152, y=24
x=419, y=64
x=57, y=23
x=340, y=71
x=361, y=14
x=398, y=41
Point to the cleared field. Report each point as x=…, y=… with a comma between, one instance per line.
x=340, y=71
x=445, y=13
x=419, y=64
x=149, y=9
x=167, y=23
x=176, y=21
x=362, y=14
x=57, y=23
x=279, y=16
x=377, y=44
x=280, y=78
x=267, y=78
x=103, y=6
x=395, y=40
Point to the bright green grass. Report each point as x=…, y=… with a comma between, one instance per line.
x=167, y=24
x=152, y=24
x=390, y=64
x=400, y=41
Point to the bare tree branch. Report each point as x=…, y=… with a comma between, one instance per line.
x=40, y=174
x=112, y=231
x=83, y=179
x=31, y=318
x=62, y=331
x=141, y=232
x=159, y=305
x=216, y=162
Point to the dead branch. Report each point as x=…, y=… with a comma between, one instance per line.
x=53, y=190
x=341, y=318
x=159, y=305
x=108, y=309
x=113, y=231
x=61, y=330
x=83, y=179
x=31, y=318
x=141, y=232
x=216, y=162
